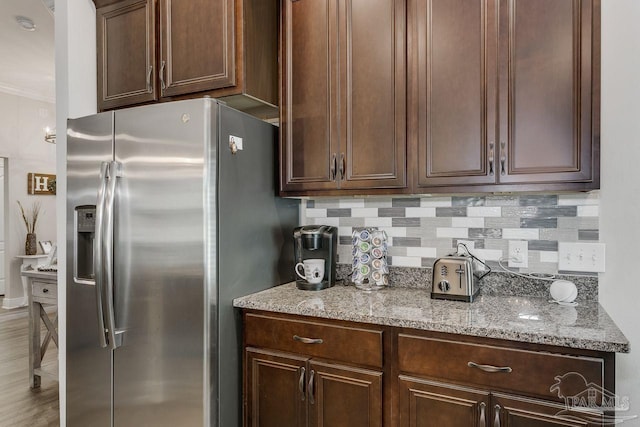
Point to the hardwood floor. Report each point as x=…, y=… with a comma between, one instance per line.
x=21, y=406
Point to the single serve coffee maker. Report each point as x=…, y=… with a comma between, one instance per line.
x=314, y=244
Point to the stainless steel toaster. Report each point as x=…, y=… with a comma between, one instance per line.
x=453, y=278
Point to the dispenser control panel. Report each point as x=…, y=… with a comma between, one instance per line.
x=84, y=235
x=86, y=219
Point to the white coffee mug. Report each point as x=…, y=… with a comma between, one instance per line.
x=313, y=270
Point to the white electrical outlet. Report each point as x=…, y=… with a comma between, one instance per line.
x=587, y=257
x=470, y=244
x=518, y=253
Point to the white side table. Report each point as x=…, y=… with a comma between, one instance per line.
x=29, y=262
x=42, y=290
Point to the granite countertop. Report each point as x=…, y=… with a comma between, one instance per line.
x=524, y=319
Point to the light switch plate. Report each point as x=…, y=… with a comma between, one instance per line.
x=587, y=257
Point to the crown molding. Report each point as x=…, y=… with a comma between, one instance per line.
x=12, y=90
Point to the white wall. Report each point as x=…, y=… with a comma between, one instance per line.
x=620, y=194
x=75, y=97
x=22, y=123
x=2, y=227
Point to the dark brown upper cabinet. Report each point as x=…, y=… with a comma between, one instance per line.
x=196, y=46
x=343, y=111
x=507, y=92
x=125, y=35
x=162, y=50
x=457, y=90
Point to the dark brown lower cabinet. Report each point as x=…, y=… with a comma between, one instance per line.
x=345, y=396
x=275, y=393
x=517, y=411
x=447, y=380
x=311, y=372
x=289, y=390
x=425, y=403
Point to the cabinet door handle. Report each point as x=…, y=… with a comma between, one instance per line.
x=483, y=420
x=162, y=84
x=310, y=387
x=496, y=418
x=334, y=167
x=490, y=368
x=491, y=156
x=45, y=290
x=503, y=158
x=301, y=383
x=342, y=166
x=149, y=73
x=306, y=340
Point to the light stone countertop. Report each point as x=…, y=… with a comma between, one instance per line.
x=525, y=319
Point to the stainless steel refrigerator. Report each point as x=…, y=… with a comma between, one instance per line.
x=171, y=213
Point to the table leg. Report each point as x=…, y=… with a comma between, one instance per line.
x=35, y=355
x=25, y=284
x=52, y=333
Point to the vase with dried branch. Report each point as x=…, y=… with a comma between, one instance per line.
x=30, y=219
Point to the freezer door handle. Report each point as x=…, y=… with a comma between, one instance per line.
x=97, y=251
x=114, y=339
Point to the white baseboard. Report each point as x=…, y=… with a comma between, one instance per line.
x=9, y=303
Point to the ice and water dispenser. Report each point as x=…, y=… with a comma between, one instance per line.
x=84, y=234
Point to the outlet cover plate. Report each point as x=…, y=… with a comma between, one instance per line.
x=518, y=249
x=585, y=257
x=470, y=244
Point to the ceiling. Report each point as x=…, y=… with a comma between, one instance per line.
x=27, y=57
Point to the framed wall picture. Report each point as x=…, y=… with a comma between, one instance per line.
x=41, y=183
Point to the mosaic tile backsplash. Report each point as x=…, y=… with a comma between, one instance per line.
x=421, y=229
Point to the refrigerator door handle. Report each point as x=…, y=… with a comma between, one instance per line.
x=97, y=251
x=114, y=337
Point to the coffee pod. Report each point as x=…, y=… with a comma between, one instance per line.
x=377, y=241
x=377, y=263
x=377, y=252
x=365, y=270
x=365, y=258
x=364, y=246
x=365, y=235
x=376, y=276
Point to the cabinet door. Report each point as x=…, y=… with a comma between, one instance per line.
x=308, y=112
x=456, y=48
x=372, y=82
x=197, y=39
x=343, y=396
x=546, y=100
x=431, y=404
x=126, y=53
x=517, y=411
x=274, y=389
